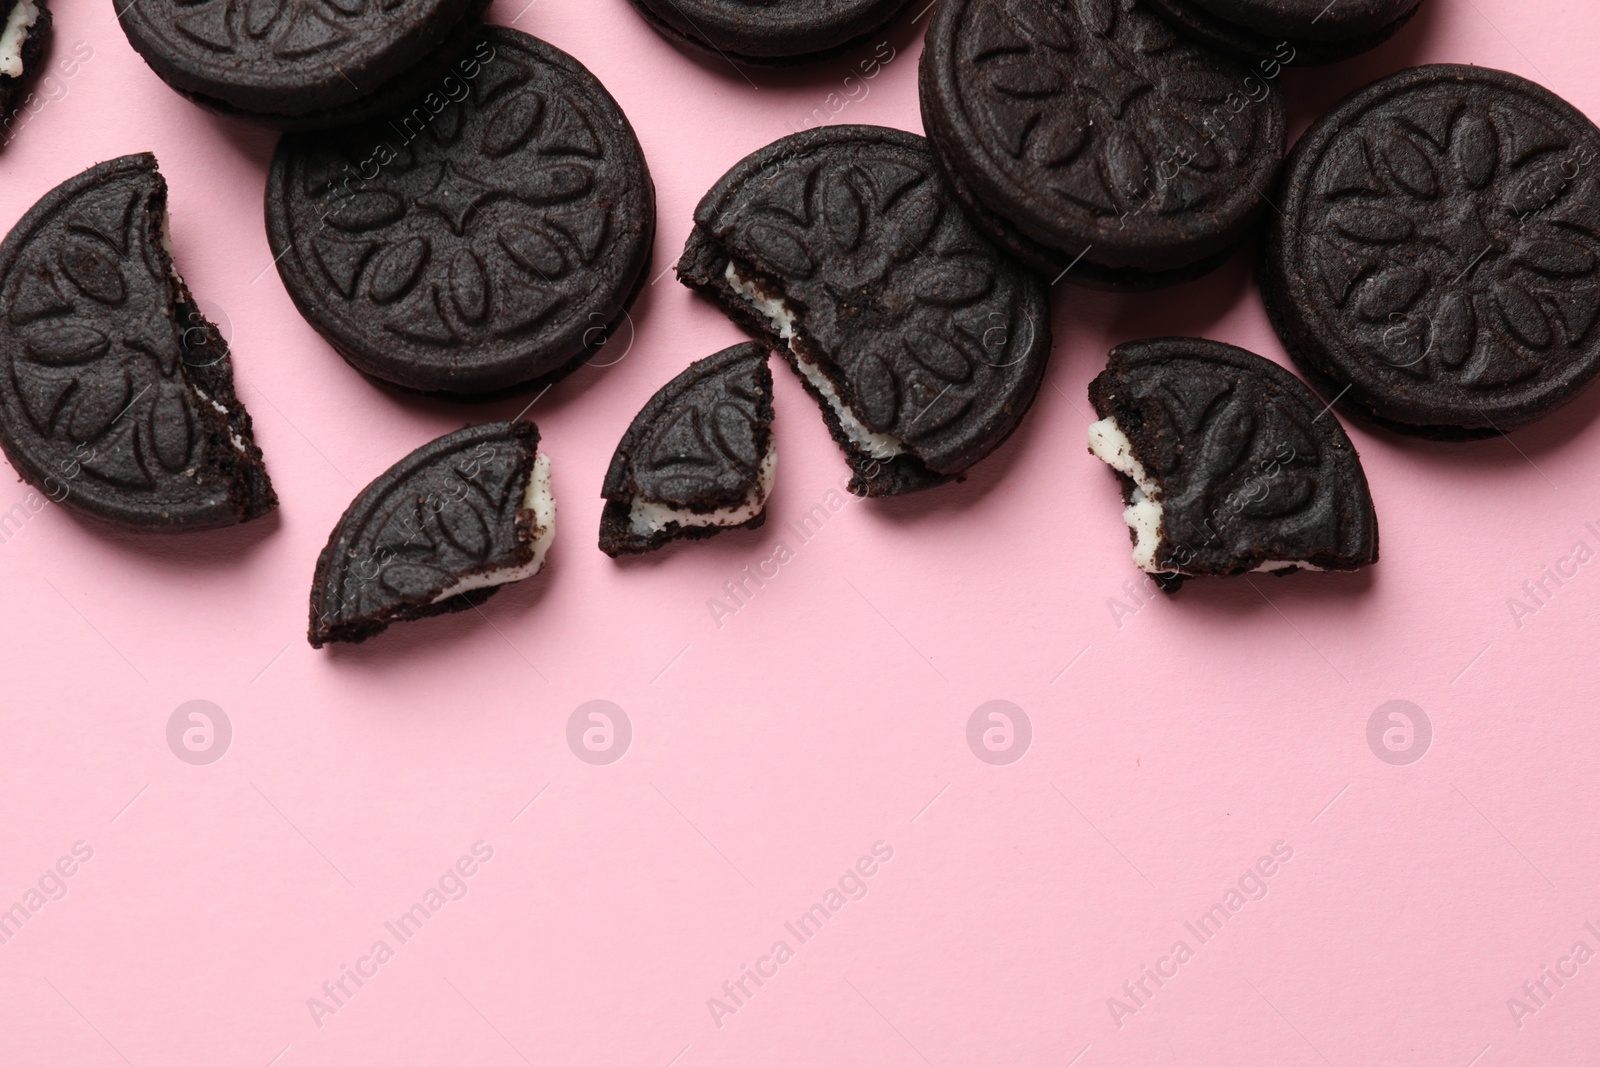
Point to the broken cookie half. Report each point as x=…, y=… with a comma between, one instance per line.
x=921, y=341
x=698, y=459
x=1229, y=464
x=116, y=394
x=440, y=531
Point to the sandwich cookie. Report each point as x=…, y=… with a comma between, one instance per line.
x=1436, y=266
x=481, y=239
x=698, y=459
x=440, y=531
x=297, y=64
x=1093, y=143
x=1301, y=33
x=1229, y=464
x=921, y=341
x=116, y=394
x=768, y=32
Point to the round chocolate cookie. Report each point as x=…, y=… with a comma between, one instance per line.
x=440, y=531
x=287, y=59
x=698, y=459
x=1437, y=262
x=1095, y=144
x=24, y=35
x=1229, y=464
x=1310, y=20
x=922, y=342
x=485, y=237
x=427, y=74
x=770, y=32
x=116, y=395
x=1275, y=50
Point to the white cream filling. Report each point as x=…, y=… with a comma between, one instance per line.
x=238, y=442
x=647, y=517
x=14, y=36
x=165, y=235
x=775, y=310
x=879, y=446
x=1111, y=446
x=538, y=499
x=172, y=268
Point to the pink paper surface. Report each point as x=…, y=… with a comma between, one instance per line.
x=1174, y=744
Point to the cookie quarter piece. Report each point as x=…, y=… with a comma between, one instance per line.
x=473, y=246
x=768, y=32
x=921, y=341
x=1229, y=464
x=116, y=395
x=290, y=62
x=440, y=531
x=24, y=34
x=1294, y=33
x=1437, y=262
x=698, y=459
x=1093, y=143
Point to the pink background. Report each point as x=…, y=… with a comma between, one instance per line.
x=827, y=714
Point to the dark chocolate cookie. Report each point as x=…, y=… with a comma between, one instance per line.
x=472, y=244
x=1437, y=261
x=1311, y=20
x=287, y=59
x=440, y=531
x=698, y=459
x=921, y=341
x=1086, y=135
x=1229, y=464
x=24, y=35
x=433, y=73
x=116, y=395
x=768, y=32
x=1273, y=50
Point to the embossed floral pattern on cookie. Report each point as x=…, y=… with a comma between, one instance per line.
x=118, y=395
x=1442, y=238
x=470, y=245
